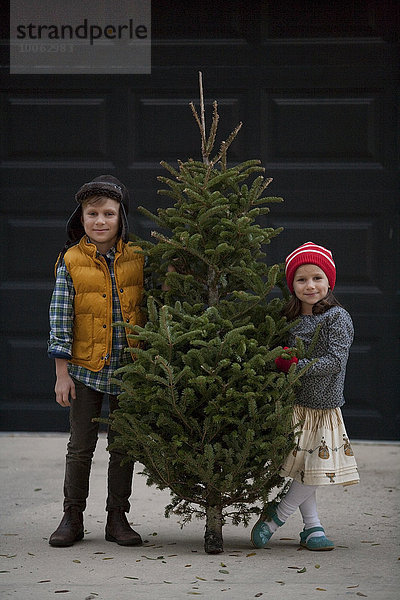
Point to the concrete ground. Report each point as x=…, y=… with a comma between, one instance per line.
x=363, y=520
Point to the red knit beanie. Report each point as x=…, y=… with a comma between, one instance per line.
x=310, y=254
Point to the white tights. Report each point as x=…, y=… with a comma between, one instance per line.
x=303, y=497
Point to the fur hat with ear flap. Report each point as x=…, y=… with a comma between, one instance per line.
x=109, y=187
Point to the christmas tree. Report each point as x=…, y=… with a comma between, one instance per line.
x=203, y=406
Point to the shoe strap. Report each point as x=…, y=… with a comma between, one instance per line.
x=305, y=534
x=276, y=519
x=308, y=532
x=270, y=515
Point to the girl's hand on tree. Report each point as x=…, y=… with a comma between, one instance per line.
x=284, y=364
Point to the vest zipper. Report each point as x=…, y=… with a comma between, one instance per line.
x=106, y=270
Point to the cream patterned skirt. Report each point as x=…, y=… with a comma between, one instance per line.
x=323, y=454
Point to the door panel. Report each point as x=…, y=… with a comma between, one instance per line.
x=316, y=92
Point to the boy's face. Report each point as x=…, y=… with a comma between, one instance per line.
x=101, y=221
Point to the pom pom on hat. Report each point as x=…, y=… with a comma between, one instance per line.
x=310, y=254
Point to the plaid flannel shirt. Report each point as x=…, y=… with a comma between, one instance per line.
x=61, y=331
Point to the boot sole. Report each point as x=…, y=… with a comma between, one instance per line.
x=111, y=538
x=56, y=544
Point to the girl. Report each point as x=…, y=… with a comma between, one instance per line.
x=323, y=454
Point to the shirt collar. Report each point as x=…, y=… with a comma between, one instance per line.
x=109, y=254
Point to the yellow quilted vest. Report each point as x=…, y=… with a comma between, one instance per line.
x=92, y=333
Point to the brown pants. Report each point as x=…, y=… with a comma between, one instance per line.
x=80, y=449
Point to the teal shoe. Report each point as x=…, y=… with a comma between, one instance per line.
x=315, y=543
x=261, y=533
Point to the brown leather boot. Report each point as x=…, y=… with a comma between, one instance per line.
x=118, y=529
x=70, y=530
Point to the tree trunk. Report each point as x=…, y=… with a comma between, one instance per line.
x=213, y=543
x=212, y=285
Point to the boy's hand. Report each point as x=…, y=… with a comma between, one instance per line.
x=64, y=387
x=284, y=364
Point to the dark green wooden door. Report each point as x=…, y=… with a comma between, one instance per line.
x=314, y=84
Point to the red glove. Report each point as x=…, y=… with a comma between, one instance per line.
x=283, y=364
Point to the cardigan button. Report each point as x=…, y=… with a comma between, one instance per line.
x=104, y=295
x=121, y=290
x=127, y=320
x=104, y=326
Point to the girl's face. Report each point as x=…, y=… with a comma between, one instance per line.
x=310, y=285
x=100, y=221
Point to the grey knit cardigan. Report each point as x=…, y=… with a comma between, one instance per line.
x=323, y=383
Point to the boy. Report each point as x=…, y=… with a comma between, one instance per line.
x=99, y=281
